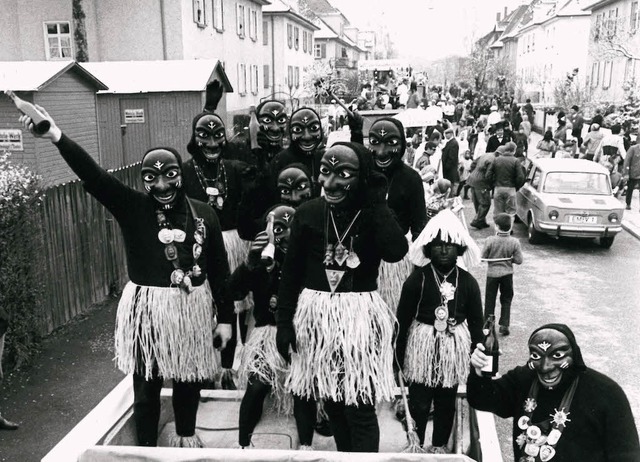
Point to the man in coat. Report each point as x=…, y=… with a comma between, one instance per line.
x=450, y=158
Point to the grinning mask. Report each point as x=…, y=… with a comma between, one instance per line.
x=443, y=254
x=273, y=118
x=305, y=130
x=294, y=185
x=339, y=174
x=161, y=173
x=550, y=355
x=208, y=139
x=386, y=142
x=282, y=225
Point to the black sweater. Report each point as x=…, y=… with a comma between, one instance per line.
x=228, y=216
x=420, y=305
x=406, y=198
x=376, y=237
x=135, y=212
x=263, y=284
x=602, y=428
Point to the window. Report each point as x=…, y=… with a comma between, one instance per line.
x=265, y=33
x=240, y=21
x=612, y=22
x=304, y=41
x=290, y=76
x=297, y=77
x=58, y=37
x=296, y=38
x=310, y=46
x=265, y=75
x=253, y=78
x=343, y=52
x=633, y=26
x=595, y=74
x=606, y=74
x=253, y=24
x=629, y=69
x=535, y=179
x=290, y=35
x=218, y=15
x=199, y=14
x=321, y=50
x=242, y=79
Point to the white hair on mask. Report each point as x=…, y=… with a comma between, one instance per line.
x=451, y=229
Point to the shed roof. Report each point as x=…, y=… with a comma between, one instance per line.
x=36, y=75
x=158, y=76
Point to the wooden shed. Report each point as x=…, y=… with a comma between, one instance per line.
x=68, y=92
x=151, y=103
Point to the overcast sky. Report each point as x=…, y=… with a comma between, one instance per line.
x=428, y=28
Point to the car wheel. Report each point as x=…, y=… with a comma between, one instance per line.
x=535, y=236
x=606, y=242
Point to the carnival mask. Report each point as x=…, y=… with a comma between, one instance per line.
x=305, y=130
x=443, y=255
x=273, y=119
x=210, y=136
x=294, y=186
x=282, y=225
x=550, y=355
x=339, y=174
x=385, y=142
x=162, y=176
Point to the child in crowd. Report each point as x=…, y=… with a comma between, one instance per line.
x=501, y=252
x=465, y=171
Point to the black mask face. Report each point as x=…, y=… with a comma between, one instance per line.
x=210, y=137
x=273, y=122
x=443, y=255
x=385, y=142
x=162, y=177
x=294, y=186
x=550, y=355
x=305, y=130
x=282, y=225
x=339, y=175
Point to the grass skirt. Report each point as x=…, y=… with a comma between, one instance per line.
x=260, y=358
x=437, y=358
x=237, y=253
x=167, y=327
x=391, y=279
x=345, y=350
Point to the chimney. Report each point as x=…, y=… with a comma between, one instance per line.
x=505, y=13
x=498, y=16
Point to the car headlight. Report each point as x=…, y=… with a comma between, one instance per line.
x=553, y=214
x=613, y=217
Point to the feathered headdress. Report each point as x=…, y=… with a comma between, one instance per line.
x=449, y=228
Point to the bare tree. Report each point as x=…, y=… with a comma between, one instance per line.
x=616, y=36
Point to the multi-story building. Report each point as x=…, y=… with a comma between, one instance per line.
x=613, y=49
x=288, y=38
x=121, y=30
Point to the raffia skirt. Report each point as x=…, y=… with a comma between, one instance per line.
x=237, y=253
x=168, y=328
x=260, y=359
x=437, y=358
x=392, y=277
x=345, y=350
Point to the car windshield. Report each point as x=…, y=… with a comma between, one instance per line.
x=577, y=183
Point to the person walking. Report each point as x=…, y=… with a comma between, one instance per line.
x=591, y=142
x=501, y=252
x=631, y=171
x=481, y=189
x=450, y=158
x=506, y=175
x=577, y=123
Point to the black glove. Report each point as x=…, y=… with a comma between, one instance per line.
x=213, y=93
x=356, y=122
x=377, y=190
x=254, y=260
x=285, y=338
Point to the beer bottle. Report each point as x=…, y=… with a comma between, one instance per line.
x=491, y=347
x=40, y=123
x=269, y=251
x=254, y=127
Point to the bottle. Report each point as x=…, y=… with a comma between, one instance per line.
x=491, y=347
x=270, y=249
x=254, y=127
x=40, y=123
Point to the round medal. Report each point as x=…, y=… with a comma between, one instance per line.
x=197, y=251
x=531, y=449
x=212, y=191
x=353, y=261
x=196, y=271
x=523, y=422
x=179, y=235
x=165, y=236
x=441, y=313
x=534, y=432
x=219, y=202
x=273, y=302
x=440, y=325
x=177, y=276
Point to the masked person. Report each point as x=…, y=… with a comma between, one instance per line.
x=259, y=193
x=294, y=185
x=405, y=196
x=262, y=368
x=178, y=270
x=439, y=315
x=330, y=315
x=562, y=410
x=211, y=178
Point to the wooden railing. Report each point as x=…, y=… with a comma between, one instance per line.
x=83, y=250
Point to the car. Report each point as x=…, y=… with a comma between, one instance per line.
x=568, y=197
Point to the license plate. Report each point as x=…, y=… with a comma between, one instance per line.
x=581, y=219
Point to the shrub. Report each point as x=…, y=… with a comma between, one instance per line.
x=20, y=260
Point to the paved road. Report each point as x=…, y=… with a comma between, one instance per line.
x=592, y=290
